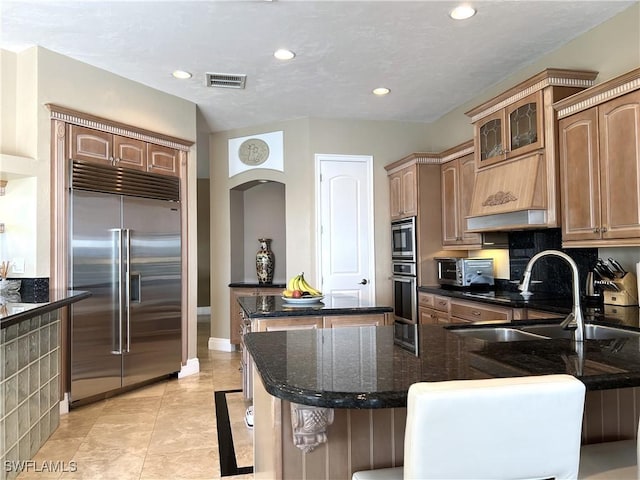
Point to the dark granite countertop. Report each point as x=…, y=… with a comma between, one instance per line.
x=545, y=302
x=256, y=285
x=362, y=368
x=264, y=306
x=538, y=301
x=15, y=307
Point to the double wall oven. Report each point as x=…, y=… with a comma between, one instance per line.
x=405, y=303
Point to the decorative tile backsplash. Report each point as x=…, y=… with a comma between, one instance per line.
x=29, y=388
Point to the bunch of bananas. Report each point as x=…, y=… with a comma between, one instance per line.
x=298, y=287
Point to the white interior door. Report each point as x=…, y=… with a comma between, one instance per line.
x=345, y=189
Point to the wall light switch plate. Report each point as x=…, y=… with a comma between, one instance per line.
x=17, y=265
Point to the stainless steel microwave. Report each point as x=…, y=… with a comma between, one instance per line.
x=403, y=240
x=465, y=272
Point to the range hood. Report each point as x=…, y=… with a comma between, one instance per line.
x=510, y=196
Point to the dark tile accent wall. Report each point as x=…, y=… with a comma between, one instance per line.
x=553, y=272
x=36, y=289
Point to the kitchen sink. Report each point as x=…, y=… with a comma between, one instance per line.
x=537, y=332
x=591, y=332
x=498, y=334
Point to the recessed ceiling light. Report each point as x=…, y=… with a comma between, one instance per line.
x=181, y=74
x=462, y=12
x=381, y=91
x=284, y=54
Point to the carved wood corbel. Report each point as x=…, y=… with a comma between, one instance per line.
x=309, y=425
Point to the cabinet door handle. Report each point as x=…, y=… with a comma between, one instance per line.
x=604, y=229
x=596, y=230
x=475, y=313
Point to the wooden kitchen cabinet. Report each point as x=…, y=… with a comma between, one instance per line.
x=414, y=183
x=600, y=164
x=433, y=309
x=521, y=120
x=103, y=148
x=511, y=131
x=235, y=318
x=516, y=153
x=458, y=176
x=403, y=191
x=163, y=160
x=431, y=316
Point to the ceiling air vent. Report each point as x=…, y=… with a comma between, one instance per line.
x=226, y=80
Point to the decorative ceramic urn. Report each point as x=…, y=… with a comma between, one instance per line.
x=264, y=261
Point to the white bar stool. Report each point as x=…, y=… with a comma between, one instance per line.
x=499, y=428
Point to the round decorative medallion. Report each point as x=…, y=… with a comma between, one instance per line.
x=253, y=152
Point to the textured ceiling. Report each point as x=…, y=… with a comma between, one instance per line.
x=431, y=63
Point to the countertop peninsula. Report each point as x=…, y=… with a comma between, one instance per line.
x=361, y=367
x=15, y=307
x=266, y=306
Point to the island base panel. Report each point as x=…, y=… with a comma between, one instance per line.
x=374, y=438
x=356, y=440
x=611, y=415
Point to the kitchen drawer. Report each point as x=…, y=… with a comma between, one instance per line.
x=286, y=323
x=479, y=312
x=441, y=303
x=426, y=300
x=337, y=321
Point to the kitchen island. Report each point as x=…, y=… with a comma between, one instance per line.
x=30, y=331
x=353, y=382
x=270, y=313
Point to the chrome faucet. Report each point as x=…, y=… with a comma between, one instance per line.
x=575, y=318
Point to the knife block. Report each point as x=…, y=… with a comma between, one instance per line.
x=628, y=294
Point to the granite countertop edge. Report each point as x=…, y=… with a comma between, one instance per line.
x=310, y=312
x=398, y=398
x=60, y=299
x=274, y=306
x=256, y=285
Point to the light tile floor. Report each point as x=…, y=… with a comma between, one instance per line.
x=166, y=430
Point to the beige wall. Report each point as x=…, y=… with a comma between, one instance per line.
x=204, y=268
x=612, y=49
x=42, y=76
x=385, y=141
x=264, y=217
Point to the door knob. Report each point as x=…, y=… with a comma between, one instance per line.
x=364, y=281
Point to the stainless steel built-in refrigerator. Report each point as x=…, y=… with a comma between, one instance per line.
x=126, y=250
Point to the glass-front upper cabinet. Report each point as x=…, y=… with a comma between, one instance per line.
x=525, y=123
x=511, y=131
x=490, y=138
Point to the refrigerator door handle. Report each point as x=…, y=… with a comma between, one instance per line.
x=117, y=344
x=127, y=233
x=136, y=278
